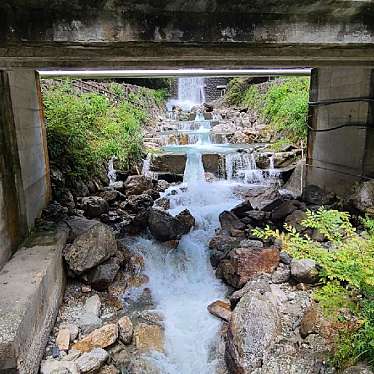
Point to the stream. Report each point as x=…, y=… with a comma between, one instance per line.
x=182, y=280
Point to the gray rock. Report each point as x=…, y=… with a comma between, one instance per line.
x=92, y=361
x=102, y=276
x=296, y=182
x=282, y=274
x=137, y=184
x=304, y=271
x=254, y=325
x=250, y=243
x=285, y=258
x=58, y=367
x=93, y=244
x=229, y=222
x=94, y=206
x=93, y=305
x=295, y=219
x=241, y=209
x=136, y=203
x=164, y=227
x=89, y=322
x=359, y=369
x=187, y=220
x=285, y=209
x=126, y=329
x=363, y=197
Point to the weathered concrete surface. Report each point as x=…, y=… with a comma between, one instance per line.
x=31, y=288
x=146, y=33
x=24, y=172
x=338, y=158
x=176, y=163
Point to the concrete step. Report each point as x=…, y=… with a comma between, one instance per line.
x=31, y=289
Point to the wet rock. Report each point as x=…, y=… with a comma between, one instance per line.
x=282, y=274
x=93, y=244
x=94, y=206
x=230, y=222
x=243, y=264
x=63, y=339
x=103, y=275
x=241, y=209
x=142, y=365
x=362, y=197
x=58, y=367
x=137, y=184
x=162, y=185
x=91, y=361
x=295, y=219
x=262, y=197
x=220, y=245
x=136, y=203
x=164, y=227
x=255, y=323
x=187, y=220
x=316, y=196
x=110, y=196
x=220, y=309
x=126, y=330
x=149, y=338
x=100, y=338
x=304, y=271
x=163, y=203
x=284, y=209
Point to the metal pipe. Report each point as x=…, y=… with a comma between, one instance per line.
x=145, y=73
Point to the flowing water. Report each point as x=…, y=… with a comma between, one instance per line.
x=190, y=93
x=182, y=281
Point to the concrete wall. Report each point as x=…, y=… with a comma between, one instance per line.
x=338, y=158
x=24, y=172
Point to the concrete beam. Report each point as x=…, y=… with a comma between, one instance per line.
x=31, y=288
x=188, y=33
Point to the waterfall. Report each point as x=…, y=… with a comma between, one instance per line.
x=194, y=170
x=191, y=92
x=112, y=176
x=146, y=170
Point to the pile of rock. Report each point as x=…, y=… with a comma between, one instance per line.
x=273, y=326
x=90, y=345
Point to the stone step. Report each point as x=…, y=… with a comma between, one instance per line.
x=31, y=289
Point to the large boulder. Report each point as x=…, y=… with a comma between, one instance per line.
x=315, y=195
x=304, y=271
x=242, y=208
x=164, y=227
x=243, y=264
x=102, y=276
x=286, y=208
x=93, y=243
x=230, y=222
x=187, y=220
x=362, y=197
x=94, y=206
x=136, y=203
x=254, y=325
x=220, y=246
x=137, y=184
x=296, y=182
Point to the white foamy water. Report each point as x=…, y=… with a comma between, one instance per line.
x=182, y=281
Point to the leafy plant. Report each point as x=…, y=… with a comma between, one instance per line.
x=85, y=130
x=347, y=276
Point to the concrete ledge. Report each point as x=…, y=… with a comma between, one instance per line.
x=31, y=289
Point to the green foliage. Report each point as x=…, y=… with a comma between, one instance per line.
x=85, y=130
x=283, y=105
x=347, y=275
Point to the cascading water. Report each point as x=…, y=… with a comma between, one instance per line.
x=190, y=93
x=112, y=175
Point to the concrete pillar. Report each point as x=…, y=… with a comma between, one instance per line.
x=338, y=158
x=24, y=171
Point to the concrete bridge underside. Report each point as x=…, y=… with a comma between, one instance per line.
x=334, y=37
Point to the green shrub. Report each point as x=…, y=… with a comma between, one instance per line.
x=347, y=276
x=283, y=105
x=85, y=130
